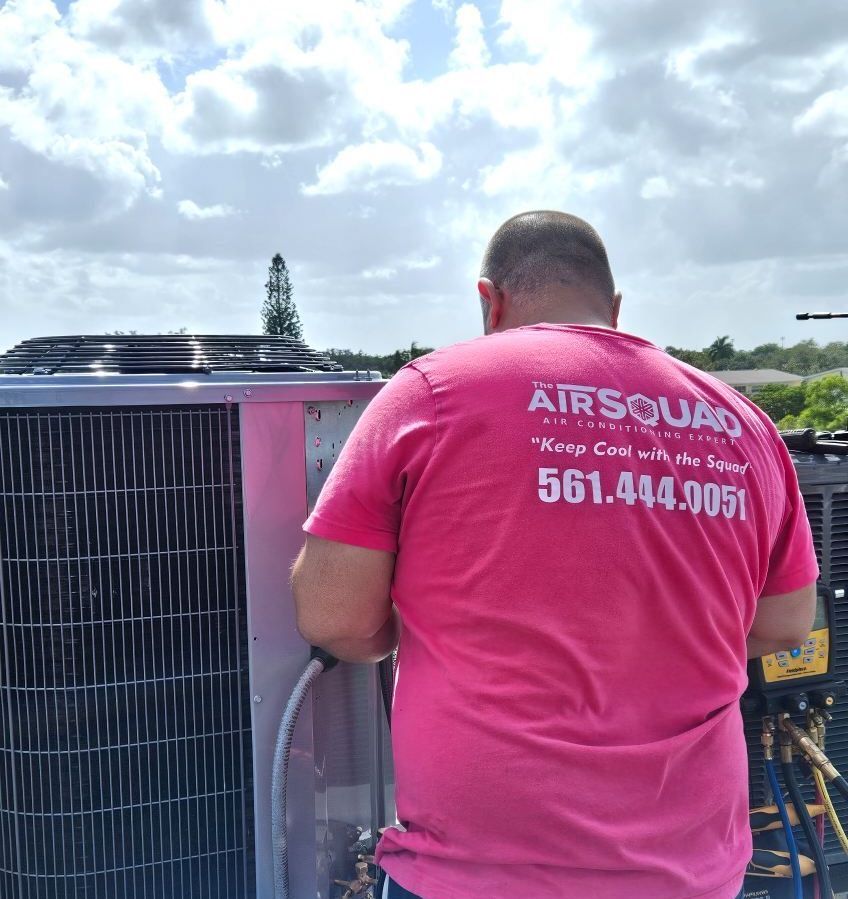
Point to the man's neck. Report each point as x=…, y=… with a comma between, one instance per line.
x=554, y=319
x=558, y=317
x=559, y=307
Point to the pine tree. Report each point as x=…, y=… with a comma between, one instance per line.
x=279, y=313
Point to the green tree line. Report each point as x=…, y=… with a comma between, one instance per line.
x=821, y=404
x=388, y=365
x=803, y=358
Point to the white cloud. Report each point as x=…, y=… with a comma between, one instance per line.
x=78, y=107
x=376, y=164
x=470, y=50
x=258, y=107
x=663, y=123
x=656, y=187
x=143, y=29
x=290, y=76
x=382, y=273
x=539, y=178
x=422, y=263
x=388, y=12
x=4, y=185
x=828, y=113
x=22, y=23
x=549, y=32
x=190, y=210
x=410, y=264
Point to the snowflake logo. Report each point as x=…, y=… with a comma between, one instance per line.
x=645, y=409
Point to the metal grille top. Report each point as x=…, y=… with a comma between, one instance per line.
x=163, y=354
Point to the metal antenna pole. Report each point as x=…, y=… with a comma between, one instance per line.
x=805, y=316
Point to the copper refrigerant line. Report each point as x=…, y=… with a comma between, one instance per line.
x=808, y=744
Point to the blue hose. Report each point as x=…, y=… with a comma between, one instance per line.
x=797, y=883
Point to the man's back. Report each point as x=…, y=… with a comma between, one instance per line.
x=583, y=526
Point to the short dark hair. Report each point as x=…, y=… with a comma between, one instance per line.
x=533, y=250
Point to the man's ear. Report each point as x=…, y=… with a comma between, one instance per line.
x=616, y=309
x=494, y=300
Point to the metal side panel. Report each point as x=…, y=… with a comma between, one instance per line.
x=274, y=506
x=327, y=427
x=353, y=765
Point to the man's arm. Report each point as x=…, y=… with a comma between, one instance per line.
x=342, y=595
x=342, y=580
x=782, y=622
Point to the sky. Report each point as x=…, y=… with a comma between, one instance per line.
x=155, y=154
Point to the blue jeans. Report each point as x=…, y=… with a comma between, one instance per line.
x=396, y=891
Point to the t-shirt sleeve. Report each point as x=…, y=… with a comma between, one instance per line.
x=379, y=467
x=792, y=563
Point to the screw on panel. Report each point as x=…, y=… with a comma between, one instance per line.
x=317, y=441
x=228, y=398
x=248, y=392
x=315, y=413
x=257, y=698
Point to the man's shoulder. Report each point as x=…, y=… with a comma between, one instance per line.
x=728, y=397
x=468, y=355
x=709, y=380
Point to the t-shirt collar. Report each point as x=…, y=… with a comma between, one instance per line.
x=588, y=330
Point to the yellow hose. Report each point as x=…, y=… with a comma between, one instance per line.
x=831, y=811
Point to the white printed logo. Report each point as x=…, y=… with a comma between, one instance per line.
x=585, y=400
x=644, y=408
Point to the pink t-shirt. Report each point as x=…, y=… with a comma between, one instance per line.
x=583, y=525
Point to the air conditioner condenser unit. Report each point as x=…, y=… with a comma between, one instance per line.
x=153, y=493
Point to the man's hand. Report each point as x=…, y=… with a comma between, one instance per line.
x=342, y=595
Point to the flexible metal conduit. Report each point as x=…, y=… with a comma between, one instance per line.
x=280, y=776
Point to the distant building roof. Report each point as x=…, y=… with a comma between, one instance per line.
x=755, y=377
x=843, y=372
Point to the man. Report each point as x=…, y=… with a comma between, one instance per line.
x=579, y=534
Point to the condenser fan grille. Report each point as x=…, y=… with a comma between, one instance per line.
x=125, y=748
x=162, y=354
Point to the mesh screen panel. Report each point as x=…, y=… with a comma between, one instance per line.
x=834, y=556
x=125, y=745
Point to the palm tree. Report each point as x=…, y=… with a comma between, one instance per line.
x=721, y=350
